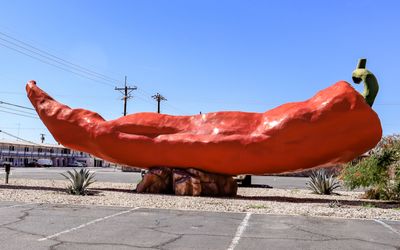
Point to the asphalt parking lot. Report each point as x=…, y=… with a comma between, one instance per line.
x=46, y=226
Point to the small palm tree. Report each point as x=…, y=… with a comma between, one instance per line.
x=79, y=181
x=322, y=183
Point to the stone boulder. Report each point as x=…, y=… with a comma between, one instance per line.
x=156, y=181
x=192, y=182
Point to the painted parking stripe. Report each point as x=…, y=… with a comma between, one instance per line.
x=388, y=226
x=239, y=231
x=87, y=224
x=19, y=205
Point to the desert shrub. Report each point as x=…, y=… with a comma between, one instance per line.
x=379, y=172
x=322, y=182
x=79, y=181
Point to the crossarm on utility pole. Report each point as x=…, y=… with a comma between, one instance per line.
x=126, y=90
x=158, y=97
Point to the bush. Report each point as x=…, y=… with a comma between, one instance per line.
x=322, y=183
x=379, y=172
x=79, y=181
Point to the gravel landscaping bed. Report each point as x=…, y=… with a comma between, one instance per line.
x=257, y=200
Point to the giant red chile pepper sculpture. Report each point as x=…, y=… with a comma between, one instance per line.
x=334, y=126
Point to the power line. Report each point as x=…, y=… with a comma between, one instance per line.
x=74, y=68
x=59, y=58
x=17, y=137
x=53, y=60
x=49, y=56
x=15, y=105
x=67, y=70
x=144, y=92
x=61, y=95
x=11, y=93
x=176, y=108
x=14, y=128
x=43, y=56
x=144, y=99
x=21, y=111
x=8, y=112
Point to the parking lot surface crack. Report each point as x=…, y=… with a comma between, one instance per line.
x=312, y=233
x=162, y=245
x=158, y=230
x=54, y=246
x=326, y=237
x=22, y=231
x=11, y=225
x=96, y=244
x=25, y=214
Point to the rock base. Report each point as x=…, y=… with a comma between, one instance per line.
x=190, y=182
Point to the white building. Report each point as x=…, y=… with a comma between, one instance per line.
x=21, y=153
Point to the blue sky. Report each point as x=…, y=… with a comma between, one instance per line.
x=201, y=55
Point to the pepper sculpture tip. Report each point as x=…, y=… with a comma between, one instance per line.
x=371, y=87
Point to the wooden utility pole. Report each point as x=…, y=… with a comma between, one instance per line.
x=126, y=91
x=158, y=97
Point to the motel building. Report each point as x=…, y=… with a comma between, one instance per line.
x=24, y=154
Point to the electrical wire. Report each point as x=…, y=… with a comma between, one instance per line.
x=19, y=128
x=56, y=61
x=67, y=70
x=43, y=56
x=143, y=99
x=21, y=111
x=13, y=113
x=143, y=91
x=65, y=62
x=57, y=66
x=17, y=137
x=11, y=93
x=16, y=105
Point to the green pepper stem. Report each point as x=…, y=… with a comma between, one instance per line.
x=371, y=87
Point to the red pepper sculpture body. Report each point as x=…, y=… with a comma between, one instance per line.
x=334, y=126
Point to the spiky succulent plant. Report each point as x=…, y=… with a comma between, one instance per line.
x=321, y=182
x=79, y=181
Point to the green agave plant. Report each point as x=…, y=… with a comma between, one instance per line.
x=322, y=183
x=79, y=181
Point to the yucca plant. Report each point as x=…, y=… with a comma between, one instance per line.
x=79, y=181
x=322, y=183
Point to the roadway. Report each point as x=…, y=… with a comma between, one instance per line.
x=116, y=175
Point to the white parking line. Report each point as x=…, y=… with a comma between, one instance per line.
x=239, y=231
x=20, y=205
x=388, y=226
x=86, y=224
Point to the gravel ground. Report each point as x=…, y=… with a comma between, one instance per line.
x=256, y=200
